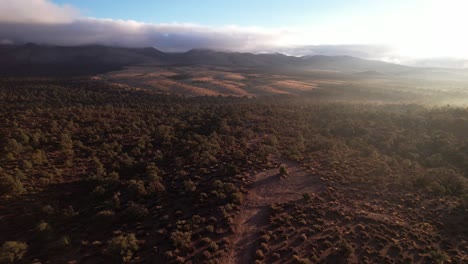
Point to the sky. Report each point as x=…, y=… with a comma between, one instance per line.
x=399, y=31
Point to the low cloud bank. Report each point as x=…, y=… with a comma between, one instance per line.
x=43, y=22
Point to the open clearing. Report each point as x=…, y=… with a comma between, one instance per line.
x=267, y=188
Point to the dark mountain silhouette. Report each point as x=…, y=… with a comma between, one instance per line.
x=32, y=59
x=277, y=60
x=209, y=57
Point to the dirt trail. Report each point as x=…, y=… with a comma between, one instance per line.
x=267, y=188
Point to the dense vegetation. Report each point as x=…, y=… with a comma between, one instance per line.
x=93, y=172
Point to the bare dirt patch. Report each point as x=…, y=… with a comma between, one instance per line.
x=267, y=188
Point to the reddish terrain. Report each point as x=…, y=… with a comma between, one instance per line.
x=267, y=188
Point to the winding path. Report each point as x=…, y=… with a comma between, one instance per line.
x=267, y=188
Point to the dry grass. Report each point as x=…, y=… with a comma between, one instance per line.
x=182, y=87
x=213, y=81
x=272, y=90
x=234, y=76
x=335, y=82
x=232, y=88
x=295, y=85
x=203, y=79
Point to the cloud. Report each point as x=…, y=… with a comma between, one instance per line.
x=439, y=62
x=168, y=37
x=43, y=22
x=375, y=52
x=36, y=11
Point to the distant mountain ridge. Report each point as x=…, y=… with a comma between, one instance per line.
x=33, y=59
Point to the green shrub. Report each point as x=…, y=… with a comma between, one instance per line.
x=213, y=246
x=98, y=192
x=39, y=157
x=236, y=197
x=155, y=187
x=445, y=181
x=210, y=228
x=152, y=172
x=181, y=239
x=271, y=140
x=283, y=170
x=43, y=227
x=12, y=251
x=259, y=254
x=135, y=211
x=10, y=157
x=19, y=174
x=190, y=186
x=122, y=247
x=137, y=188
x=104, y=218
x=113, y=176
x=44, y=232
x=439, y=257
x=10, y=186
x=300, y=260
x=265, y=238
x=26, y=165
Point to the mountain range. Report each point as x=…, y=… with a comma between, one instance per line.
x=33, y=59
x=41, y=60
